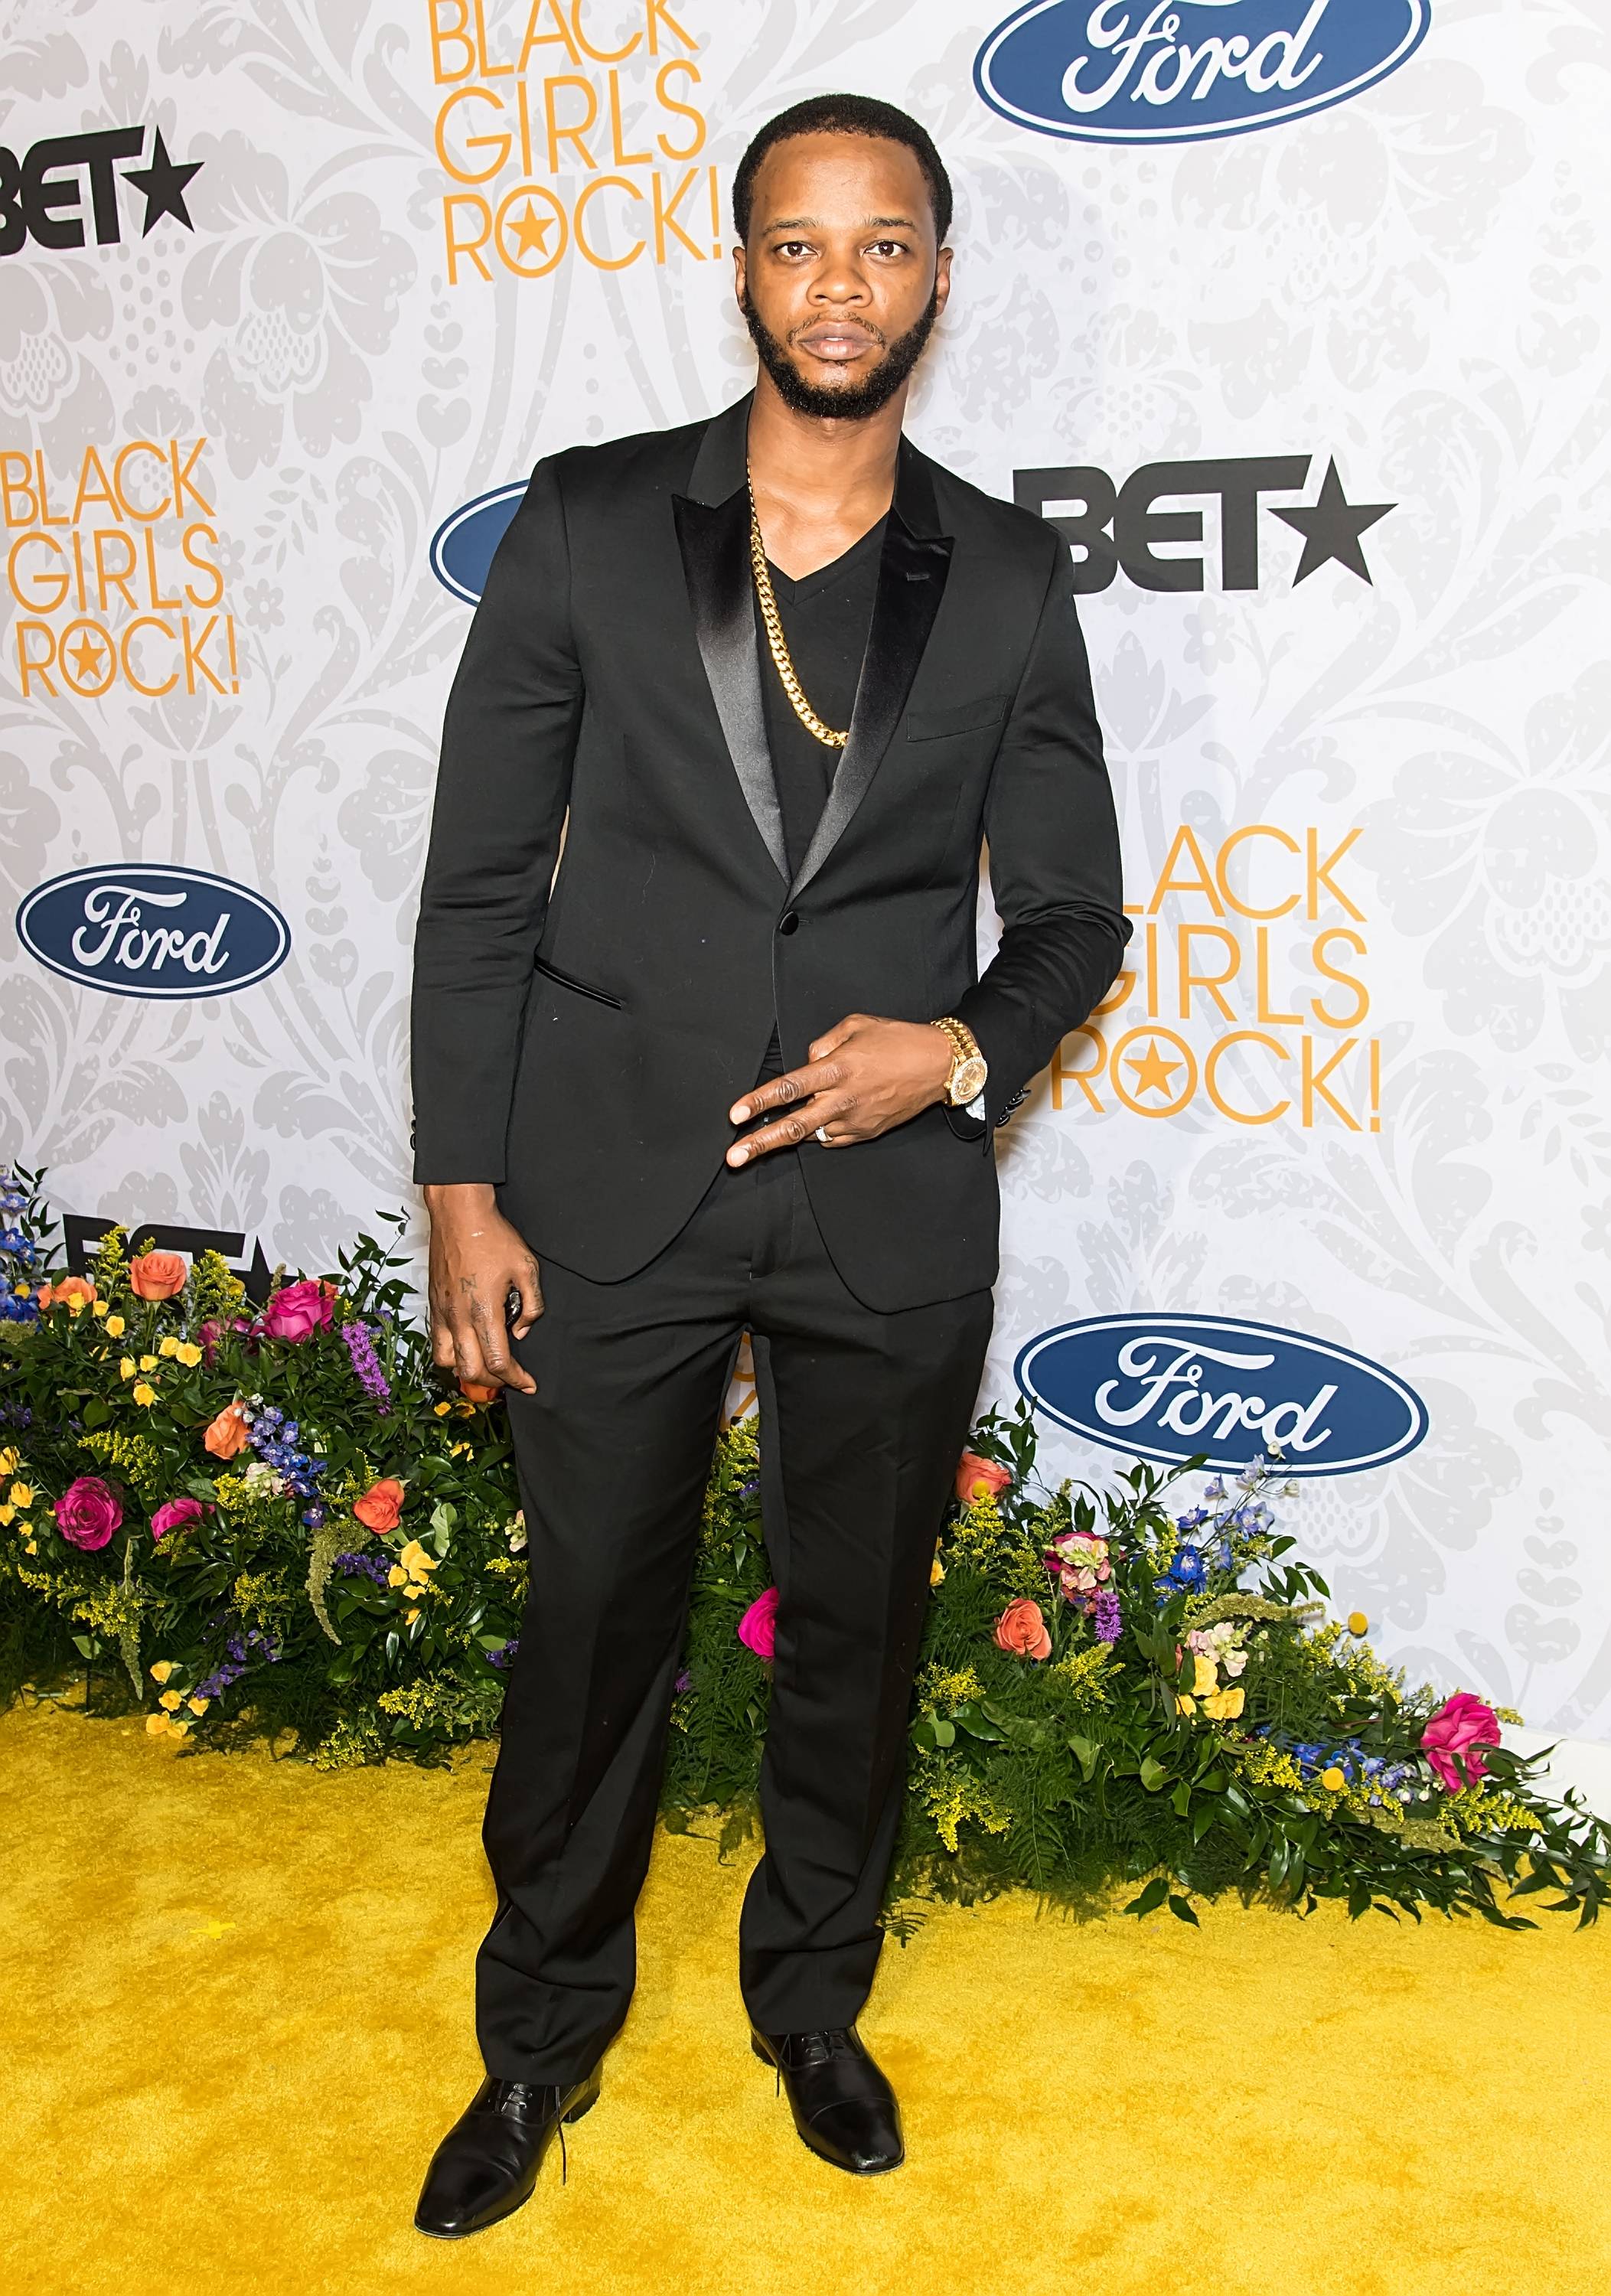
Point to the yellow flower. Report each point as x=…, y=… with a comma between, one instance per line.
x=1204, y=1675
x=415, y=1558
x=188, y=1353
x=144, y=1391
x=936, y=1571
x=126, y=1369
x=32, y=1544
x=166, y=1346
x=198, y=1705
x=1358, y=1623
x=410, y=1617
x=148, y=1363
x=171, y=1698
x=160, y=1671
x=1334, y=1779
x=115, y=1325
x=10, y=1460
x=22, y=1495
x=1225, y=1705
x=156, y=1723
x=397, y=1576
x=98, y=1307
x=24, y=1291
x=442, y=1409
x=180, y=1729
x=6, y=1512
x=1185, y=1705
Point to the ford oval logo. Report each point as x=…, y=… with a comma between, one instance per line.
x=461, y=547
x=149, y=929
x=1171, y=72
x=1171, y=1387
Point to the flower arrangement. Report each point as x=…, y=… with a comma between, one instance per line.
x=282, y=1522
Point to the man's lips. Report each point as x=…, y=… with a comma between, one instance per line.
x=831, y=342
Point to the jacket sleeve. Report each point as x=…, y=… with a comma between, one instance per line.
x=503, y=786
x=1054, y=862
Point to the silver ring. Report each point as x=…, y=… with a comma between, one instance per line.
x=822, y=1133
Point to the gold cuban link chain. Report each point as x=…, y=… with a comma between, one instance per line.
x=779, y=646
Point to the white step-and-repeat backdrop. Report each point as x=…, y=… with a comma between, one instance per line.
x=1293, y=312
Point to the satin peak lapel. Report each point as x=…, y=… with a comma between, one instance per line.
x=714, y=540
x=912, y=572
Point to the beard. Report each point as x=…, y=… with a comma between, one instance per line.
x=851, y=402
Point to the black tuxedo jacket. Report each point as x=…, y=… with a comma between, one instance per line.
x=579, y=1034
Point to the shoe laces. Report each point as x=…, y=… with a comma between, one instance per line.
x=517, y=2092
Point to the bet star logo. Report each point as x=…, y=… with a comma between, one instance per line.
x=1108, y=526
x=43, y=196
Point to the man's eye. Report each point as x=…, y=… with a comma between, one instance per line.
x=889, y=247
x=793, y=247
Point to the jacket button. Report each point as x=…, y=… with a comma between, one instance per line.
x=789, y=921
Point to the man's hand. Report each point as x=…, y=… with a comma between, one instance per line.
x=477, y=1260
x=863, y=1077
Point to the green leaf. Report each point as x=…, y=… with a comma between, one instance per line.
x=1182, y=1912
x=1205, y=1817
x=1150, y=1898
x=972, y=1718
x=1180, y=1799
x=1085, y=1751
x=1153, y=1773
x=86, y=1645
x=945, y=1732
x=97, y=1411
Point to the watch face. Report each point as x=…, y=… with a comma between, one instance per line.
x=968, y=1082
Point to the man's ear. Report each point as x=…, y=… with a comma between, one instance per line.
x=943, y=279
x=738, y=275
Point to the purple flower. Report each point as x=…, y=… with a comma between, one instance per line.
x=377, y=1567
x=685, y=1681
x=1106, y=1617
x=505, y=1657
x=371, y=1378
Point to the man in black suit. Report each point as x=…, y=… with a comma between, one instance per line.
x=759, y=687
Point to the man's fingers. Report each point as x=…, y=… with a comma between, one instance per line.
x=824, y=1047
x=530, y=1289
x=785, y=1091
x=493, y=1343
x=822, y=1111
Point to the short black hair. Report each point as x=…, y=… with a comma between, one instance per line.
x=844, y=115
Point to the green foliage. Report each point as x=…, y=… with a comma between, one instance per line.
x=1165, y=1705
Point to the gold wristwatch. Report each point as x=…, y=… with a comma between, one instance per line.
x=969, y=1069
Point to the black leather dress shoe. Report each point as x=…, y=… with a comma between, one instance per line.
x=485, y=2166
x=843, y=2107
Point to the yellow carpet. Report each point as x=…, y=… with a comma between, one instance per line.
x=238, y=2011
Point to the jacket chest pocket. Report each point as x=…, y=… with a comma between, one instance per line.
x=981, y=715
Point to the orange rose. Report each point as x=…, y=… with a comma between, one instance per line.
x=478, y=1392
x=70, y=1287
x=156, y=1274
x=226, y=1437
x=381, y=1507
x=1022, y=1629
x=980, y=1479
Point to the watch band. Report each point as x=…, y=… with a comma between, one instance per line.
x=969, y=1068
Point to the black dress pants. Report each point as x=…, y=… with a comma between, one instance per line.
x=863, y=1418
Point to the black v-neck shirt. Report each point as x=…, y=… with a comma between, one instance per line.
x=825, y=618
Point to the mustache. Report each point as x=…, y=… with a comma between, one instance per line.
x=847, y=401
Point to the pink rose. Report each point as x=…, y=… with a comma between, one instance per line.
x=1459, y=1727
x=298, y=1310
x=174, y=1514
x=757, y=1628
x=88, y=1511
x=978, y=1477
